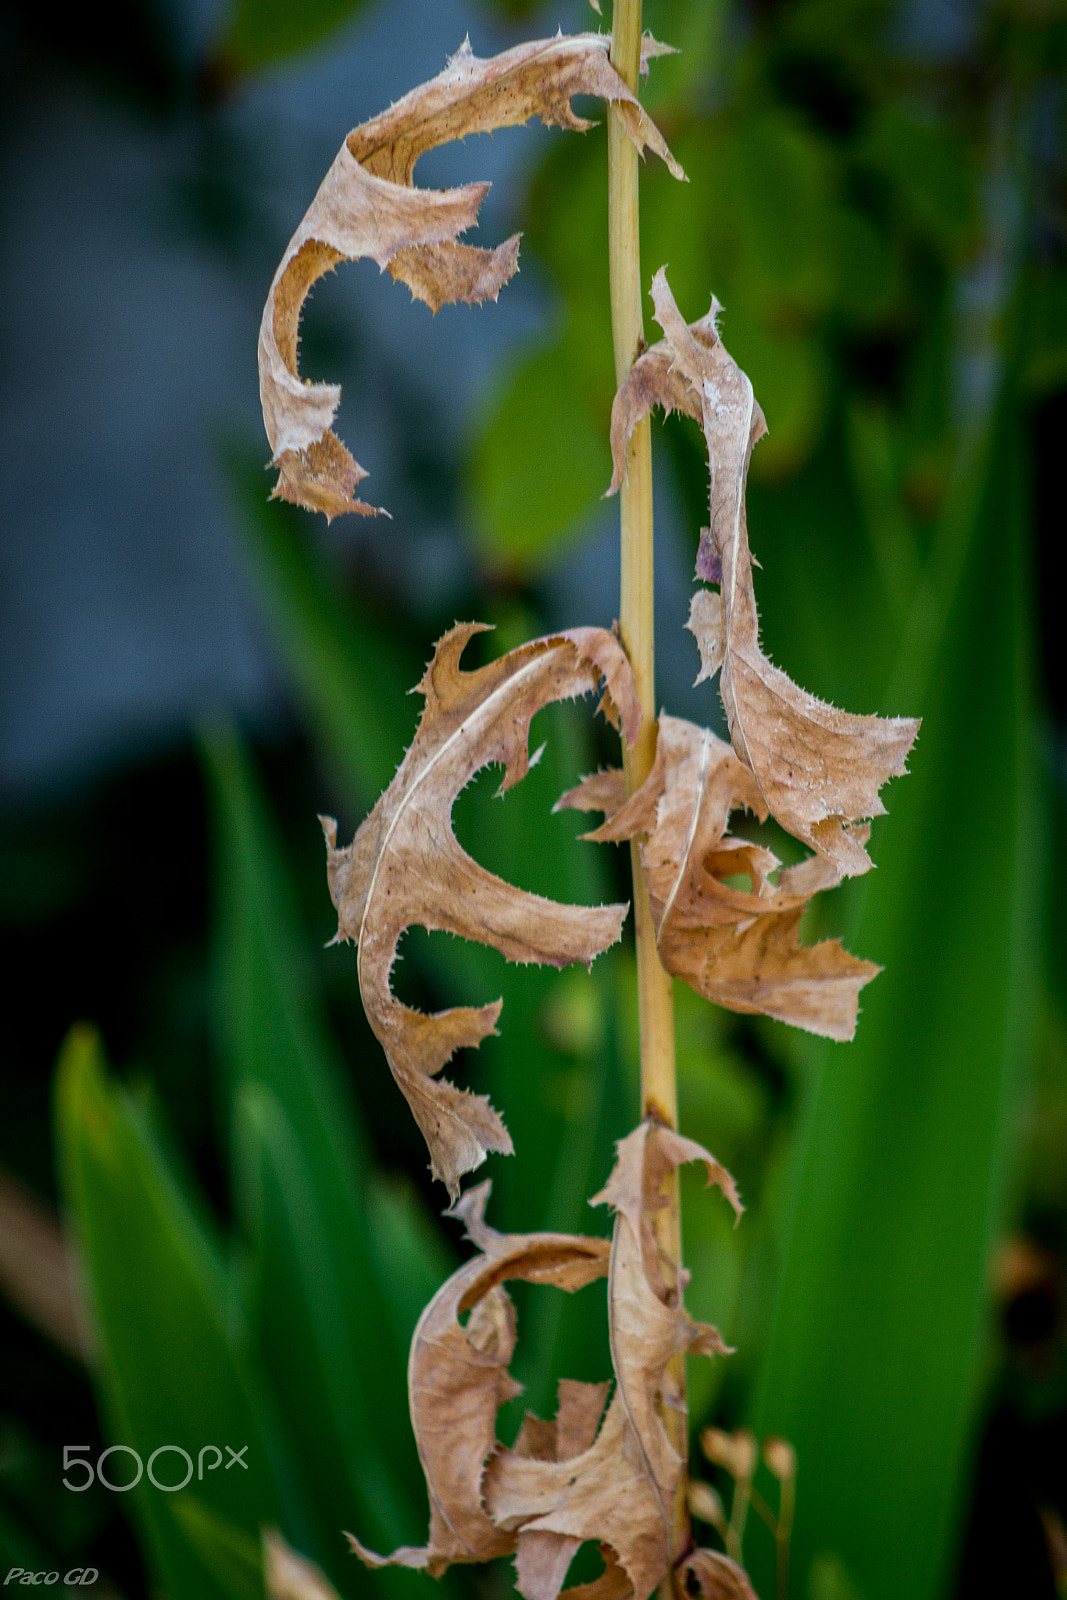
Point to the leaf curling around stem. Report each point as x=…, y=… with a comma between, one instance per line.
x=737, y=947
x=588, y=1475
x=406, y=868
x=819, y=770
x=367, y=206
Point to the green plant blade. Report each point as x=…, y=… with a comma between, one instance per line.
x=169, y=1369
x=297, y=1311
x=263, y=31
x=539, y=464
x=230, y=1554
x=347, y=668
x=304, y=1189
x=874, y=1356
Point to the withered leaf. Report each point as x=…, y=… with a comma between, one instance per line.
x=737, y=946
x=819, y=769
x=620, y=1490
x=542, y=1558
x=458, y=1379
x=367, y=206
x=567, y=1481
x=405, y=867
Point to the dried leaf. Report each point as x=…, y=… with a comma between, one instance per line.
x=367, y=206
x=620, y=1491
x=564, y=1482
x=541, y=1558
x=601, y=791
x=739, y=947
x=291, y=1576
x=459, y=1379
x=819, y=769
x=406, y=867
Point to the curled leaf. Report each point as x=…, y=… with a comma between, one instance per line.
x=405, y=867
x=621, y=1490
x=737, y=946
x=367, y=206
x=458, y=1379
x=578, y=1477
x=819, y=770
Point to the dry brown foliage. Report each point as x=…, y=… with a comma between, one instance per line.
x=405, y=867
x=819, y=770
x=578, y=1477
x=726, y=915
x=737, y=946
x=367, y=205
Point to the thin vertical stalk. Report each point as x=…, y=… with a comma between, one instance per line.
x=659, y=1092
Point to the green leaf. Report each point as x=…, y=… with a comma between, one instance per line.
x=540, y=463
x=18, y=1546
x=170, y=1368
x=229, y=1553
x=783, y=194
x=327, y=1373
x=331, y=1318
x=348, y=669
x=263, y=31
x=930, y=170
x=875, y=1351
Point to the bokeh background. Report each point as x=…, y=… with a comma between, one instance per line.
x=188, y=674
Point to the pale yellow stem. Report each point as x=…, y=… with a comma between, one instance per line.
x=659, y=1092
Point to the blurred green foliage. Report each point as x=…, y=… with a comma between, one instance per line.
x=883, y=224
x=265, y=31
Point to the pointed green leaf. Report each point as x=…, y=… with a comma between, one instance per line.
x=874, y=1357
x=171, y=1374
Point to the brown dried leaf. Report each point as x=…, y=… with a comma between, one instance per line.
x=563, y=1482
x=738, y=947
x=405, y=867
x=459, y=1379
x=367, y=206
x=620, y=1490
x=543, y=1558
x=819, y=769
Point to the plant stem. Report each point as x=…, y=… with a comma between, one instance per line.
x=659, y=1090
